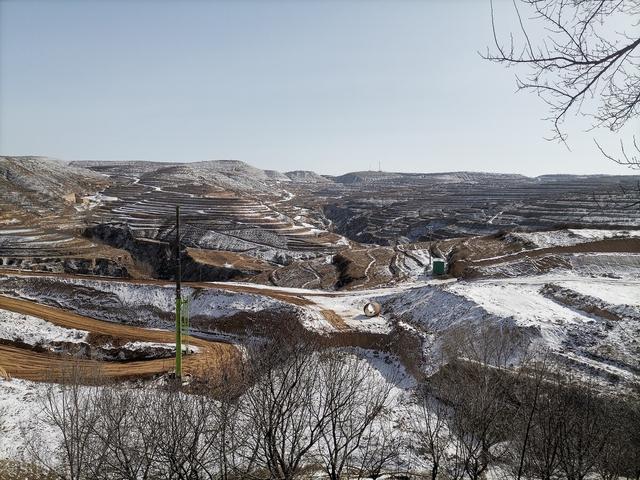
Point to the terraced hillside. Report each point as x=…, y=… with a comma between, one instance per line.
x=294, y=229
x=232, y=225
x=374, y=207
x=269, y=256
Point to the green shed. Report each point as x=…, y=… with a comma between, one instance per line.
x=439, y=266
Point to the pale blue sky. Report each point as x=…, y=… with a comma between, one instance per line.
x=321, y=85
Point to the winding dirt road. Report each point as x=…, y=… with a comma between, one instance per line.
x=283, y=295
x=213, y=357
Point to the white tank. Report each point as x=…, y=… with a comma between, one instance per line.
x=372, y=309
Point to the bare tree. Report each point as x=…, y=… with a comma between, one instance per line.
x=481, y=414
x=286, y=408
x=527, y=393
x=575, y=51
x=631, y=422
x=427, y=424
x=70, y=408
x=476, y=385
x=585, y=431
x=542, y=454
x=620, y=456
x=355, y=397
x=238, y=448
x=125, y=432
x=380, y=449
x=187, y=434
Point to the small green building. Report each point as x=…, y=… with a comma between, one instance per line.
x=439, y=266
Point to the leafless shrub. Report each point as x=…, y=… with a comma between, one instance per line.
x=71, y=409
x=286, y=412
x=380, y=450
x=427, y=423
x=355, y=398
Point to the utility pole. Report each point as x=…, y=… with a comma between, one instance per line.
x=178, y=299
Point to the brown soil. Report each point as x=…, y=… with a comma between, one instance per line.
x=578, y=302
x=335, y=320
x=364, y=267
x=614, y=245
x=222, y=259
x=214, y=357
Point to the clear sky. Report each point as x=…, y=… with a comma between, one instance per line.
x=330, y=86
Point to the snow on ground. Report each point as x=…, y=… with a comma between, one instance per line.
x=168, y=347
x=332, y=293
x=388, y=369
x=22, y=403
x=140, y=304
x=520, y=301
x=313, y=319
x=33, y=330
x=422, y=254
x=350, y=309
x=615, y=292
x=618, y=265
x=524, y=304
x=592, y=343
x=20, y=412
x=572, y=236
x=219, y=303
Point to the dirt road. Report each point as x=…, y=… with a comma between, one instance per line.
x=213, y=357
x=298, y=299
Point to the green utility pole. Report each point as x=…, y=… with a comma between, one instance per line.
x=178, y=300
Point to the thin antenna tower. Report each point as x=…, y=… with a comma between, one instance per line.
x=379, y=166
x=178, y=299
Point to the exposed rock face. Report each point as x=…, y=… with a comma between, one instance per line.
x=159, y=256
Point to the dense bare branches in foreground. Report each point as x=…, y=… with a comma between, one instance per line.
x=308, y=413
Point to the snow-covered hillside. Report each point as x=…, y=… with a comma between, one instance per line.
x=572, y=236
x=559, y=313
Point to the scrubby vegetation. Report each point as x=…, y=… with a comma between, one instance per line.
x=308, y=412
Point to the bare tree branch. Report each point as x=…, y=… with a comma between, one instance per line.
x=578, y=55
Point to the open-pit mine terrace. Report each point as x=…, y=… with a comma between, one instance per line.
x=383, y=208
x=298, y=229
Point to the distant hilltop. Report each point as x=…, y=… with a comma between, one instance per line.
x=21, y=176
